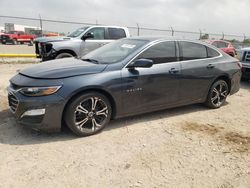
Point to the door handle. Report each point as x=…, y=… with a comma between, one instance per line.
x=210, y=66
x=173, y=71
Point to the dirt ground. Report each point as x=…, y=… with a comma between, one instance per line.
x=189, y=146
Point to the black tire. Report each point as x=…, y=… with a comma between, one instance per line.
x=63, y=55
x=217, y=94
x=14, y=42
x=31, y=43
x=82, y=119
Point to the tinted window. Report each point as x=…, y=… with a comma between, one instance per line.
x=98, y=33
x=222, y=45
x=212, y=53
x=160, y=53
x=116, y=33
x=192, y=51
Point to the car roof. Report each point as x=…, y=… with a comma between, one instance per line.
x=160, y=38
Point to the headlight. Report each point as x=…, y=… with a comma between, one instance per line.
x=39, y=91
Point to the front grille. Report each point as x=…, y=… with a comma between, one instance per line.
x=13, y=102
x=5, y=37
x=246, y=56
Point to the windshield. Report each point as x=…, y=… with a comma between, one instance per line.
x=77, y=32
x=115, y=51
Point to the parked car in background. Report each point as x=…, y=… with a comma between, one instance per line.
x=78, y=43
x=126, y=77
x=225, y=46
x=16, y=37
x=244, y=57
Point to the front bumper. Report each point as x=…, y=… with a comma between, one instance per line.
x=41, y=113
x=43, y=54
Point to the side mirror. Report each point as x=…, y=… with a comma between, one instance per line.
x=88, y=36
x=143, y=63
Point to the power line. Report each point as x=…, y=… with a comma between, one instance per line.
x=131, y=27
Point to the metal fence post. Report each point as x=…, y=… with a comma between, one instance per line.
x=138, y=29
x=223, y=35
x=41, y=24
x=172, y=30
x=244, y=37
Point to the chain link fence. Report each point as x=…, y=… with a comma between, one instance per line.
x=64, y=27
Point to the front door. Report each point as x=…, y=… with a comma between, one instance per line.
x=146, y=89
x=91, y=44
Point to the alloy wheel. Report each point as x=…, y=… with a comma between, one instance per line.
x=91, y=114
x=219, y=94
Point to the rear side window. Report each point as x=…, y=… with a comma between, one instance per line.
x=212, y=53
x=116, y=33
x=222, y=45
x=160, y=53
x=192, y=51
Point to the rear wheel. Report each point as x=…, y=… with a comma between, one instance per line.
x=64, y=55
x=88, y=114
x=217, y=94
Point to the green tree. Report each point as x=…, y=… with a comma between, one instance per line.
x=204, y=37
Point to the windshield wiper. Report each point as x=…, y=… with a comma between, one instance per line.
x=91, y=60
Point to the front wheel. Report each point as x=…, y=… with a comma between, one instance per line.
x=217, y=94
x=88, y=114
x=64, y=55
x=14, y=42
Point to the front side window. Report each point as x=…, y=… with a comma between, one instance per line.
x=191, y=51
x=160, y=53
x=116, y=33
x=98, y=33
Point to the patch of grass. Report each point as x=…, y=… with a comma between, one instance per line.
x=236, y=141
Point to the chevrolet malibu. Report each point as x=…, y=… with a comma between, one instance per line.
x=127, y=77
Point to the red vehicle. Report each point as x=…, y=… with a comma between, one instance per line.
x=16, y=37
x=225, y=46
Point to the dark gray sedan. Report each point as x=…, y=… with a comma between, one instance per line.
x=124, y=78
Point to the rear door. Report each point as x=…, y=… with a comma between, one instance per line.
x=151, y=88
x=199, y=68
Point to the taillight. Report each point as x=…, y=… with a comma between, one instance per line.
x=239, y=64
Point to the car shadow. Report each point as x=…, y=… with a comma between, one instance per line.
x=12, y=133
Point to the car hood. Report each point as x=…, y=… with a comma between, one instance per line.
x=62, y=68
x=52, y=39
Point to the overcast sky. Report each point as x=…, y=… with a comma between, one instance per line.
x=216, y=16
